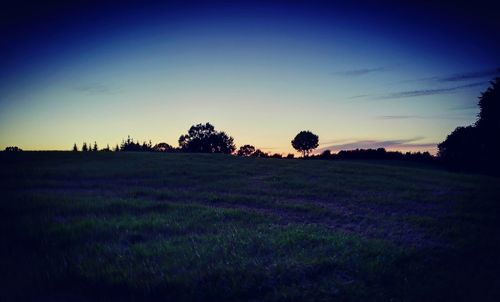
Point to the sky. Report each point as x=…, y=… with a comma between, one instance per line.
x=366, y=74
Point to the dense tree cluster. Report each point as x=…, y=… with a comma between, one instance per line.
x=475, y=147
x=163, y=147
x=130, y=145
x=203, y=138
x=246, y=150
x=249, y=150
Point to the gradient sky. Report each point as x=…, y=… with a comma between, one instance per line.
x=358, y=75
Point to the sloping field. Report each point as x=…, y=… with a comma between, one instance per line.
x=189, y=227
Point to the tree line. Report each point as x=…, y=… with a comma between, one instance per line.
x=204, y=138
x=201, y=138
x=377, y=154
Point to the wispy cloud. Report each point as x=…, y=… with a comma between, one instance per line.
x=422, y=117
x=397, y=144
x=466, y=107
x=417, y=93
x=359, y=96
x=426, y=92
x=470, y=75
x=460, y=77
x=360, y=72
x=397, y=117
x=95, y=89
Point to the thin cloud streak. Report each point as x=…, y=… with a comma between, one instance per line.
x=95, y=89
x=420, y=92
x=427, y=92
x=405, y=117
x=471, y=75
x=400, y=141
x=360, y=72
x=397, y=117
x=466, y=107
x=459, y=77
x=359, y=96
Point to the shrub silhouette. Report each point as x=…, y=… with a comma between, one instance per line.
x=260, y=153
x=163, y=147
x=203, y=138
x=246, y=150
x=326, y=154
x=305, y=142
x=13, y=149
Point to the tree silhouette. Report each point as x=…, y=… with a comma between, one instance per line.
x=326, y=154
x=130, y=145
x=260, y=153
x=246, y=150
x=95, y=149
x=85, y=148
x=75, y=148
x=489, y=104
x=474, y=147
x=488, y=124
x=162, y=147
x=204, y=138
x=107, y=149
x=305, y=142
x=146, y=146
x=461, y=147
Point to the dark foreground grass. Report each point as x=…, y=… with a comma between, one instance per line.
x=179, y=227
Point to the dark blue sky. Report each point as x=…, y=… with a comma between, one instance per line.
x=376, y=73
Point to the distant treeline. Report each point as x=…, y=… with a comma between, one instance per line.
x=250, y=151
x=127, y=145
x=130, y=145
x=203, y=138
x=378, y=154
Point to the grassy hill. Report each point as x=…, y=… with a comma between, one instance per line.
x=184, y=227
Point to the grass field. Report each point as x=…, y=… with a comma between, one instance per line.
x=189, y=227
